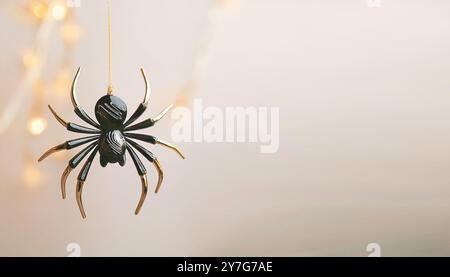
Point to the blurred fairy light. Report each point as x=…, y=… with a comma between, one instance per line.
x=30, y=59
x=59, y=10
x=70, y=32
x=46, y=14
x=37, y=122
x=38, y=8
x=31, y=175
x=61, y=82
x=37, y=125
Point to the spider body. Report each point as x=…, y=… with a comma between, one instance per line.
x=111, y=113
x=111, y=138
x=112, y=148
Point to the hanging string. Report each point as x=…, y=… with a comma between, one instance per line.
x=110, y=86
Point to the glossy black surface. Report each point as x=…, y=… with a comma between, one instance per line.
x=137, y=162
x=141, y=125
x=111, y=112
x=139, y=111
x=85, y=117
x=146, y=138
x=112, y=147
x=109, y=139
x=81, y=129
x=147, y=154
x=85, y=170
x=76, y=160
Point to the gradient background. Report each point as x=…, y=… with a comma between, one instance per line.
x=364, y=133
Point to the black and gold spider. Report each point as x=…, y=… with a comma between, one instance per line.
x=111, y=138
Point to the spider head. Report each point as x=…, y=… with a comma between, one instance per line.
x=111, y=112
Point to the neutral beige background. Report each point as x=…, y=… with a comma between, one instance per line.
x=364, y=133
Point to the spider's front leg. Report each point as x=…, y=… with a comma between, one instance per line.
x=68, y=145
x=77, y=108
x=143, y=106
x=82, y=178
x=149, y=122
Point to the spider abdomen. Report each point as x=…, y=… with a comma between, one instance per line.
x=112, y=146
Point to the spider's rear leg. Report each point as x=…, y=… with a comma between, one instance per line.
x=143, y=174
x=82, y=178
x=154, y=140
x=68, y=145
x=151, y=158
x=72, y=126
x=73, y=163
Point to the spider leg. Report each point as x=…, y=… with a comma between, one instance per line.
x=73, y=163
x=143, y=174
x=149, y=122
x=72, y=126
x=79, y=110
x=154, y=140
x=82, y=178
x=143, y=106
x=151, y=158
x=68, y=145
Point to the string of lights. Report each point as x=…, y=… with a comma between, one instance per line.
x=45, y=16
x=50, y=16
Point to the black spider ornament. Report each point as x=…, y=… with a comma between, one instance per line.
x=111, y=138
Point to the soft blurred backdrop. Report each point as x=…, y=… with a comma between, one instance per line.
x=364, y=154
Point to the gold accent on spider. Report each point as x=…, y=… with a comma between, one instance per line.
x=170, y=146
x=143, y=193
x=79, y=195
x=163, y=113
x=64, y=179
x=147, y=88
x=51, y=151
x=160, y=175
x=73, y=91
x=59, y=118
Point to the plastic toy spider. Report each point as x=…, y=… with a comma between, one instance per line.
x=111, y=139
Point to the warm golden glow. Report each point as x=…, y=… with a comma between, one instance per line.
x=30, y=59
x=59, y=11
x=70, y=32
x=37, y=125
x=61, y=84
x=32, y=176
x=38, y=9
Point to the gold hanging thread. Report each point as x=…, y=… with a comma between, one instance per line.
x=110, y=137
x=110, y=86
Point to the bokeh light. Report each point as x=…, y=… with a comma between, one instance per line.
x=37, y=125
x=59, y=11
x=30, y=59
x=32, y=176
x=70, y=32
x=38, y=8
